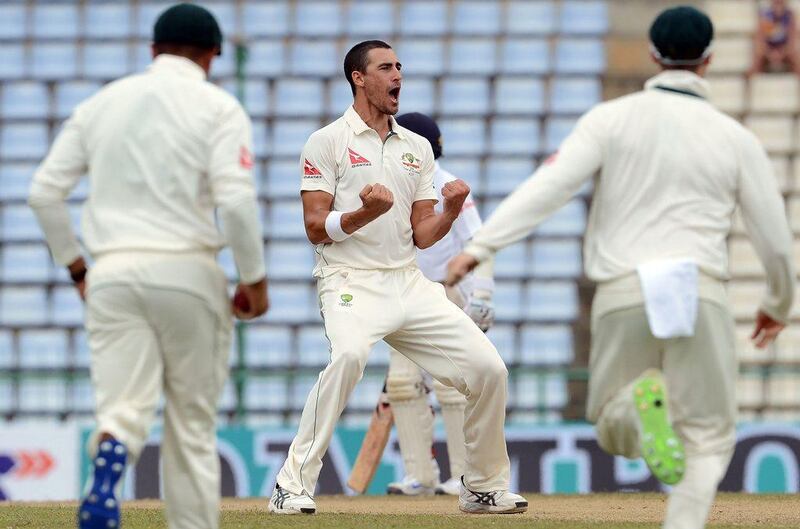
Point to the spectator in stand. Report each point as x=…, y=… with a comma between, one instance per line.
x=774, y=42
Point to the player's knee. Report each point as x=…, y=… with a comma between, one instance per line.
x=490, y=361
x=401, y=387
x=490, y=374
x=496, y=369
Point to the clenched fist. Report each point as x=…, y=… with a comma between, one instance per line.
x=376, y=199
x=454, y=193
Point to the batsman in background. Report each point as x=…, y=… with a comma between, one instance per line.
x=368, y=201
x=672, y=170
x=163, y=149
x=405, y=387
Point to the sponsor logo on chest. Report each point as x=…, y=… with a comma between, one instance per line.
x=356, y=160
x=411, y=163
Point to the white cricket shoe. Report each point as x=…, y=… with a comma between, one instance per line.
x=409, y=486
x=285, y=502
x=494, y=501
x=451, y=487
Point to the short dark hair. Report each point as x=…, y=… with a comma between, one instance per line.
x=356, y=59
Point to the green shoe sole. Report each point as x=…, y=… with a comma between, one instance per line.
x=662, y=450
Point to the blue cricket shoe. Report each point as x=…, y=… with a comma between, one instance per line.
x=99, y=509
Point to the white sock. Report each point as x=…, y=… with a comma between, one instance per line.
x=691, y=499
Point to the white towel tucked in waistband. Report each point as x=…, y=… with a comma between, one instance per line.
x=669, y=288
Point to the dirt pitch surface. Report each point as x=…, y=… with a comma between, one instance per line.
x=600, y=511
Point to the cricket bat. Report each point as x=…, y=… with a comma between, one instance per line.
x=369, y=456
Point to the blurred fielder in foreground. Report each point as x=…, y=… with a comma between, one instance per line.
x=368, y=201
x=162, y=150
x=672, y=171
x=405, y=387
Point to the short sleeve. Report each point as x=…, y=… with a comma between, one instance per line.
x=318, y=165
x=425, y=189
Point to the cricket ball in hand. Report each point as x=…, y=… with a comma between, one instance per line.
x=241, y=302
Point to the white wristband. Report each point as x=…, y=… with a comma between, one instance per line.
x=333, y=226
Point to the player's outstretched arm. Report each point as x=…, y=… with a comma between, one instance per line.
x=323, y=225
x=550, y=187
x=428, y=226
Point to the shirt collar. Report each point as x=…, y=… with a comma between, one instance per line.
x=358, y=125
x=680, y=80
x=176, y=64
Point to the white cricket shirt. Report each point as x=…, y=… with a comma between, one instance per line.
x=161, y=149
x=347, y=155
x=433, y=261
x=672, y=170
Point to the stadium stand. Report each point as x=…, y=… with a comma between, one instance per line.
x=768, y=104
x=505, y=79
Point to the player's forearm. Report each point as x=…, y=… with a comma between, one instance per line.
x=355, y=220
x=484, y=277
x=53, y=217
x=350, y=222
x=431, y=229
x=242, y=230
x=764, y=215
x=772, y=240
x=779, y=298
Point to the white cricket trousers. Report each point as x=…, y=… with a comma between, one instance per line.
x=147, y=338
x=413, y=315
x=700, y=374
x=413, y=418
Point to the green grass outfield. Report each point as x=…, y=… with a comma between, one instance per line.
x=595, y=511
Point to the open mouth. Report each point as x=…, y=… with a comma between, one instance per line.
x=394, y=95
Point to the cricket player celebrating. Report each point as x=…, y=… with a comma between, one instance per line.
x=368, y=200
x=672, y=170
x=162, y=150
x=405, y=387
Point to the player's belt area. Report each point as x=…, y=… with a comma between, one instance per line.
x=662, y=450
